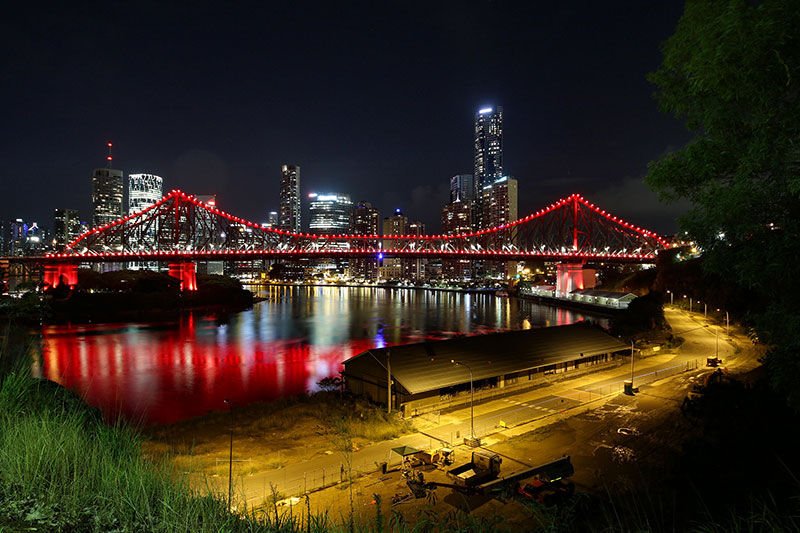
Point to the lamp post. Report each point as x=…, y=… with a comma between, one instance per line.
x=230, y=457
x=471, y=399
x=631, y=364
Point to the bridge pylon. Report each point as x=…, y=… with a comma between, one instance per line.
x=571, y=276
x=186, y=271
x=57, y=273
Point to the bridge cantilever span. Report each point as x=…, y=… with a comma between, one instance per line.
x=181, y=229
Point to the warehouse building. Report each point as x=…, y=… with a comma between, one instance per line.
x=423, y=375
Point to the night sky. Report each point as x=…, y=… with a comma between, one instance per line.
x=374, y=99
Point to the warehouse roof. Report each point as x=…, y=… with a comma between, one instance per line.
x=426, y=366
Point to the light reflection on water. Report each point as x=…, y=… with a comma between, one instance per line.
x=164, y=372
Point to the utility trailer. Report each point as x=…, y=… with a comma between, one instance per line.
x=483, y=467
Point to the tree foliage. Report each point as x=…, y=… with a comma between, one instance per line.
x=732, y=72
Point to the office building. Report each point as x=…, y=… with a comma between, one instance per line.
x=144, y=190
x=416, y=268
x=15, y=233
x=456, y=220
x=462, y=188
x=500, y=202
x=329, y=214
x=392, y=267
x=106, y=196
x=66, y=227
x=364, y=221
x=273, y=219
x=290, y=198
x=500, y=208
x=488, y=157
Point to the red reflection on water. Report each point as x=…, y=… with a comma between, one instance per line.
x=174, y=375
x=157, y=373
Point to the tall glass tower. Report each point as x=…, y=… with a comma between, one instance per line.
x=106, y=196
x=290, y=198
x=488, y=156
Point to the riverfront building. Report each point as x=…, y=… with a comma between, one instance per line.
x=290, y=198
x=488, y=157
x=424, y=378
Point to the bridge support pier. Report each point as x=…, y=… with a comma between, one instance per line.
x=187, y=273
x=571, y=276
x=55, y=274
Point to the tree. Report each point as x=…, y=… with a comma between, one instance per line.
x=731, y=71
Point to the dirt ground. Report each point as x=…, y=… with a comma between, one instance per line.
x=267, y=436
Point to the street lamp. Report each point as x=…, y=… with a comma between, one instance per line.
x=471, y=399
x=230, y=456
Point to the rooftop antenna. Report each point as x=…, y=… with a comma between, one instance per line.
x=108, y=157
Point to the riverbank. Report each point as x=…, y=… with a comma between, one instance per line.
x=359, y=286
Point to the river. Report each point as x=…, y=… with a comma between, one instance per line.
x=158, y=373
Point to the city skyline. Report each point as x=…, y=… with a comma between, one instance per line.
x=579, y=116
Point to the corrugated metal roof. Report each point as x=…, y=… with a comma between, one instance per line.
x=426, y=366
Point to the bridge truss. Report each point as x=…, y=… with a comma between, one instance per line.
x=180, y=227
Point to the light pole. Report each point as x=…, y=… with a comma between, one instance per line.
x=230, y=457
x=631, y=362
x=471, y=399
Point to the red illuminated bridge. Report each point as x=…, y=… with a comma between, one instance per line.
x=181, y=230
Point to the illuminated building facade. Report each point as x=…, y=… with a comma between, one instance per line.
x=330, y=213
x=106, y=196
x=416, y=268
x=462, y=188
x=273, y=219
x=66, y=227
x=457, y=219
x=392, y=267
x=364, y=221
x=290, y=198
x=500, y=200
x=144, y=190
x=488, y=157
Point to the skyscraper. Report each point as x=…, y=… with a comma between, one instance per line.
x=144, y=190
x=500, y=208
x=66, y=227
x=290, y=198
x=330, y=213
x=273, y=219
x=500, y=200
x=364, y=221
x=457, y=219
x=395, y=224
x=106, y=196
x=462, y=188
x=488, y=156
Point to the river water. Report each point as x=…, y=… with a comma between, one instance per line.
x=157, y=373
